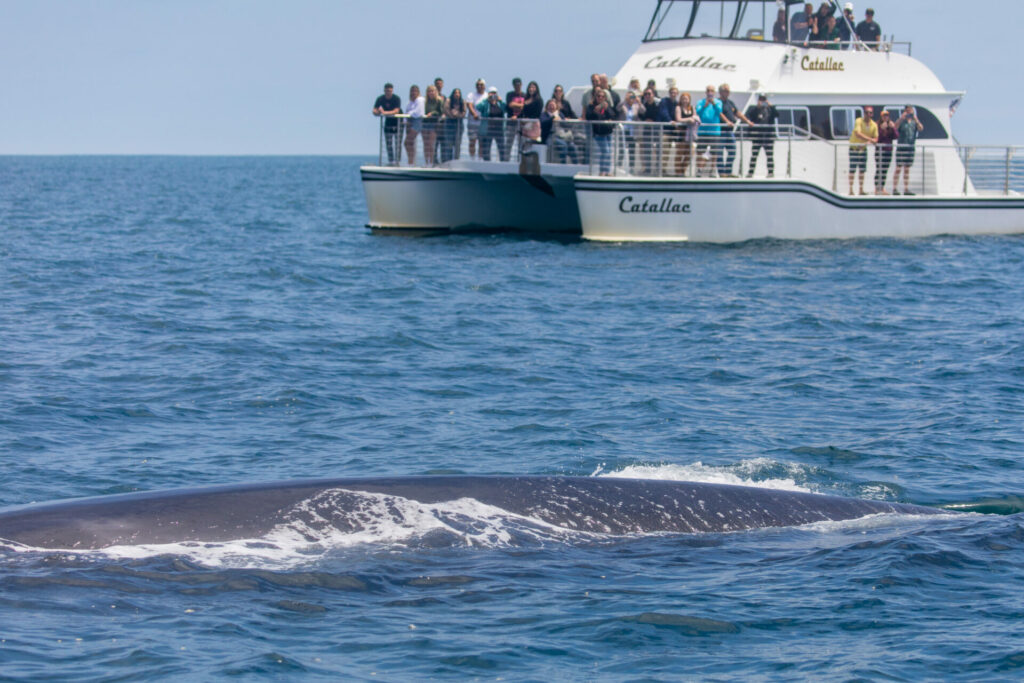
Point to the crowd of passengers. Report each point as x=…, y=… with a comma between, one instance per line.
x=823, y=29
x=702, y=141
x=493, y=124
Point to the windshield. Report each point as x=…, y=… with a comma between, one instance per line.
x=749, y=19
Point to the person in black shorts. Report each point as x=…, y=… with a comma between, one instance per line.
x=763, y=118
x=388, y=105
x=907, y=129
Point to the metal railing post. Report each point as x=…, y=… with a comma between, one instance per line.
x=590, y=147
x=1006, y=183
x=661, y=150
x=380, y=143
x=789, y=155
x=967, y=167
x=835, y=168
x=924, y=170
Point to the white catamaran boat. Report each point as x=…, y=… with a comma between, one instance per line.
x=658, y=187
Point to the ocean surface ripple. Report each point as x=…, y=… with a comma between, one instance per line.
x=180, y=321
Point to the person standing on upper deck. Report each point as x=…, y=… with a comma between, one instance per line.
x=869, y=31
x=779, y=29
x=846, y=23
x=907, y=129
x=558, y=95
x=473, y=116
x=883, y=150
x=649, y=113
x=492, y=115
x=388, y=105
x=514, y=101
x=801, y=24
x=588, y=96
x=709, y=110
x=830, y=37
x=601, y=110
x=667, y=105
x=764, y=116
x=614, y=96
x=414, y=110
x=865, y=130
x=731, y=116
x=666, y=113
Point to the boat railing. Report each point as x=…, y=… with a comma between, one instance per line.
x=898, y=46
x=429, y=143
x=656, y=150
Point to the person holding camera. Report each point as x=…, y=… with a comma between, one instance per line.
x=907, y=129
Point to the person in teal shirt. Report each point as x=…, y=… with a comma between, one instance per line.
x=709, y=111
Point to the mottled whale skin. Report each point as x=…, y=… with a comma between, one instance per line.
x=604, y=505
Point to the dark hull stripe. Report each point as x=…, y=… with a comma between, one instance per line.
x=802, y=188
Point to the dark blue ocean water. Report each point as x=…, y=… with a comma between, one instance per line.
x=169, y=322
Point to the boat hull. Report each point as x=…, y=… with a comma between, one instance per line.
x=713, y=210
x=444, y=200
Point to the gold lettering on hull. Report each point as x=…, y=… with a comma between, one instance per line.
x=827, y=64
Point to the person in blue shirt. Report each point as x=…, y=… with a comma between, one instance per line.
x=709, y=111
x=667, y=106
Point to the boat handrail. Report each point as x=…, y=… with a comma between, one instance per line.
x=657, y=149
x=897, y=46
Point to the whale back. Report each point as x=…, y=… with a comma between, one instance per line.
x=604, y=505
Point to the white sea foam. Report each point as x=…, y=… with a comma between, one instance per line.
x=743, y=473
x=337, y=519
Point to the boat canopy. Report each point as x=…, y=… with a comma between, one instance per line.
x=735, y=19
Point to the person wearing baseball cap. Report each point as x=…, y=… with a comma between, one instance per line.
x=763, y=118
x=869, y=31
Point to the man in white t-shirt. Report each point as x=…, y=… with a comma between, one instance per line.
x=473, y=116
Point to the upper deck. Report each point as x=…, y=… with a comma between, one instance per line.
x=691, y=43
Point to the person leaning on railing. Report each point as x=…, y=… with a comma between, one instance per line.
x=830, y=37
x=628, y=111
x=414, y=110
x=649, y=112
x=556, y=134
x=865, y=130
x=388, y=105
x=687, y=120
x=433, y=110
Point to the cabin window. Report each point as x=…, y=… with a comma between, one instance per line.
x=842, y=119
x=797, y=117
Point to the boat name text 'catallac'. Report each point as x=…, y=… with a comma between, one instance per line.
x=699, y=63
x=666, y=206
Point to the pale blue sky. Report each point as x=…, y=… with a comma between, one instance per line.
x=300, y=77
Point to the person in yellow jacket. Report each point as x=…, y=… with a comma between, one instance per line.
x=865, y=130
